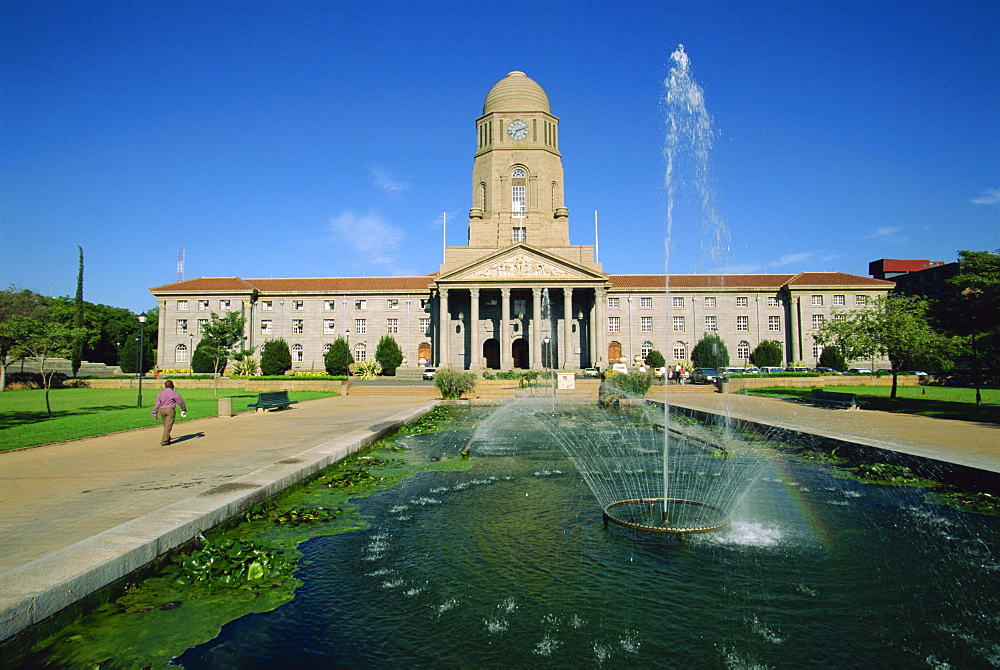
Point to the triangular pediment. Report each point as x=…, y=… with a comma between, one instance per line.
x=521, y=263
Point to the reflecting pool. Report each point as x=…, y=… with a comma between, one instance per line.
x=510, y=565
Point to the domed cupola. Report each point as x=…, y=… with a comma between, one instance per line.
x=517, y=92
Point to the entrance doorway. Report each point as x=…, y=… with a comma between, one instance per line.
x=519, y=352
x=424, y=351
x=491, y=354
x=614, y=352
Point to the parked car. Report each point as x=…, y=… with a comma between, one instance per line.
x=732, y=371
x=796, y=369
x=591, y=372
x=429, y=373
x=916, y=372
x=827, y=371
x=858, y=371
x=704, y=376
x=770, y=370
x=619, y=367
x=660, y=373
x=883, y=371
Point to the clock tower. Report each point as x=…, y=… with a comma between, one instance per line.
x=517, y=177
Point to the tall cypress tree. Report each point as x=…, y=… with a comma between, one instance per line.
x=77, y=354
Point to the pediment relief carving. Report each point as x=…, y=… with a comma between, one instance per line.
x=520, y=266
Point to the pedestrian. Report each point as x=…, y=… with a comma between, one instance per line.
x=166, y=405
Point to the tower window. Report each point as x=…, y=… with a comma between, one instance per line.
x=520, y=234
x=517, y=193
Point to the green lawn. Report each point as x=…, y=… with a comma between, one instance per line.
x=935, y=401
x=83, y=412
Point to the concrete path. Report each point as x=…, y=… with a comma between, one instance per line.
x=75, y=516
x=968, y=443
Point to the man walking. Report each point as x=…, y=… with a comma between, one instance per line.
x=166, y=405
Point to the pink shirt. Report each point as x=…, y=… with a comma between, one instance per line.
x=168, y=398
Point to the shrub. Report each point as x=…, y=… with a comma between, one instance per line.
x=832, y=358
x=767, y=354
x=338, y=357
x=526, y=375
x=655, y=359
x=127, y=354
x=366, y=369
x=206, y=358
x=631, y=384
x=245, y=366
x=388, y=354
x=454, y=383
x=275, y=357
x=710, y=352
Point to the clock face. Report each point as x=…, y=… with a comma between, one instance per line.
x=518, y=129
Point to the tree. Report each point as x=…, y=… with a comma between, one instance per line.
x=338, y=357
x=896, y=326
x=77, y=355
x=655, y=359
x=223, y=334
x=388, y=355
x=710, y=352
x=128, y=355
x=275, y=357
x=43, y=340
x=767, y=354
x=15, y=303
x=205, y=359
x=832, y=358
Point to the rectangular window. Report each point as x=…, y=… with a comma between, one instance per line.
x=773, y=301
x=182, y=305
x=224, y=305
x=298, y=304
x=360, y=304
x=710, y=323
x=816, y=300
x=329, y=327
x=520, y=234
x=839, y=317
x=520, y=306
x=817, y=320
x=679, y=353
x=645, y=303
x=424, y=302
x=743, y=323
x=202, y=305
x=392, y=326
x=329, y=304
x=425, y=326
x=817, y=350
x=677, y=302
x=774, y=323
x=709, y=301
x=646, y=324
x=678, y=324
x=265, y=327
x=742, y=301
x=266, y=306
x=517, y=201
x=860, y=300
x=392, y=303
x=182, y=326
x=360, y=327
x=613, y=303
x=297, y=328
x=202, y=323
x=838, y=300
x=614, y=324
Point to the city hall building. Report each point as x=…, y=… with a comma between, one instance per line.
x=519, y=294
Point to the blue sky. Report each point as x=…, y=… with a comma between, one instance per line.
x=301, y=139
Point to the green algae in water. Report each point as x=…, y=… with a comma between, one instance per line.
x=158, y=618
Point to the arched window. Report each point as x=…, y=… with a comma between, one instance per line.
x=554, y=200
x=743, y=351
x=326, y=347
x=482, y=195
x=180, y=353
x=518, y=174
x=680, y=352
x=297, y=353
x=518, y=198
x=360, y=352
x=646, y=348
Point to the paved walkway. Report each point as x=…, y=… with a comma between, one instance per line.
x=969, y=443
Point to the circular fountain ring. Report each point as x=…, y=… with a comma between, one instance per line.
x=713, y=521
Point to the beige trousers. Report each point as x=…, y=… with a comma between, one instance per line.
x=167, y=414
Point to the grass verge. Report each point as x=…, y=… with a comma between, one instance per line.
x=934, y=401
x=85, y=412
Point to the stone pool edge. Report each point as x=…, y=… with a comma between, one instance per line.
x=36, y=591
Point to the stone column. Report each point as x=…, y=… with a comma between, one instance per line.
x=476, y=353
x=566, y=350
x=536, y=329
x=444, y=327
x=794, y=331
x=600, y=328
x=506, y=362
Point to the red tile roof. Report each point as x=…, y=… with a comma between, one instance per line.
x=206, y=284
x=293, y=285
x=831, y=279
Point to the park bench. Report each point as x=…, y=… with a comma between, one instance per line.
x=834, y=399
x=272, y=400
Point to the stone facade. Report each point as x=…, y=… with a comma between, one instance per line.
x=519, y=295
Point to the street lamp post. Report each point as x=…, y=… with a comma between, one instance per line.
x=139, y=356
x=190, y=354
x=546, y=353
